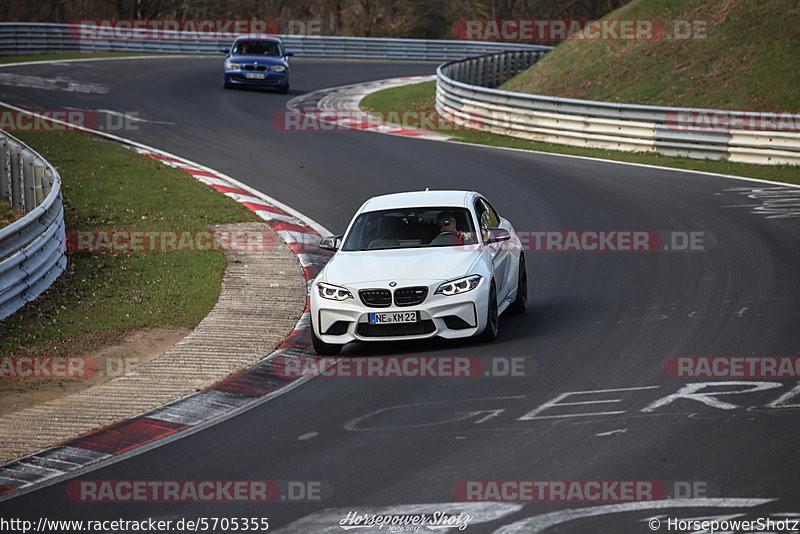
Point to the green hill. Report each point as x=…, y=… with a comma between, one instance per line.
x=748, y=60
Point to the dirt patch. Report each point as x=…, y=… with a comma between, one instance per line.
x=115, y=353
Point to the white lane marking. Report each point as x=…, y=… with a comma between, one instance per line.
x=780, y=402
x=740, y=313
x=58, y=83
x=489, y=414
x=612, y=432
x=307, y=436
x=328, y=521
x=540, y=523
x=773, y=202
x=534, y=414
x=695, y=392
x=353, y=424
x=129, y=117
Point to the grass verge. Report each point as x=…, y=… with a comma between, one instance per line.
x=106, y=186
x=8, y=214
x=422, y=97
x=744, y=56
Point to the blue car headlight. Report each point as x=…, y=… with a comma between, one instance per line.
x=332, y=292
x=277, y=68
x=233, y=66
x=462, y=285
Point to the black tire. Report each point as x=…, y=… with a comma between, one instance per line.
x=322, y=348
x=283, y=89
x=493, y=318
x=520, y=303
x=226, y=85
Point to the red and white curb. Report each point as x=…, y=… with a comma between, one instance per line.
x=346, y=98
x=234, y=392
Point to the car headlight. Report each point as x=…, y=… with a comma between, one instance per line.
x=462, y=285
x=331, y=292
x=233, y=66
x=277, y=68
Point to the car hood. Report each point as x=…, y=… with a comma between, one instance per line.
x=257, y=60
x=434, y=264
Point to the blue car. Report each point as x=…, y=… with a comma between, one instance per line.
x=257, y=61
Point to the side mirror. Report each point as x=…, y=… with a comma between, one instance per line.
x=288, y=54
x=332, y=242
x=498, y=235
x=224, y=50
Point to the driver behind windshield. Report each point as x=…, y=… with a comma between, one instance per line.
x=447, y=225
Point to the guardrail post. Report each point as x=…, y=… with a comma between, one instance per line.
x=38, y=182
x=502, y=69
x=16, y=178
x=29, y=192
x=5, y=184
x=47, y=181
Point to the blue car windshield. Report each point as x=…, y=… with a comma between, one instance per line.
x=411, y=228
x=257, y=48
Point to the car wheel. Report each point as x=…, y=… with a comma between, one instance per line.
x=322, y=348
x=283, y=89
x=226, y=85
x=492, y=317
x=520, y=303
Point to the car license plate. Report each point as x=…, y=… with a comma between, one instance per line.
x=394, y=317
x=255, y=75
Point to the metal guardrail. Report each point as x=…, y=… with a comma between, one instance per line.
x=32, y=249
x=465, y=92
x=37, y=38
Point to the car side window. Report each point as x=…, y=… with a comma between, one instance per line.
x=482, y=212
x=487, y=216
x=494, y=218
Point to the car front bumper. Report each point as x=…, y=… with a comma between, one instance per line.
x=450, y=317
x=271, y=79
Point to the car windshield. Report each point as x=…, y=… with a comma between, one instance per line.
x=257, y=48
x=411, y=228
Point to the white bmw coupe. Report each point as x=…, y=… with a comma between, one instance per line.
x=417, y=265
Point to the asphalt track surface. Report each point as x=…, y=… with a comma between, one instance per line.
x=596, y=321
